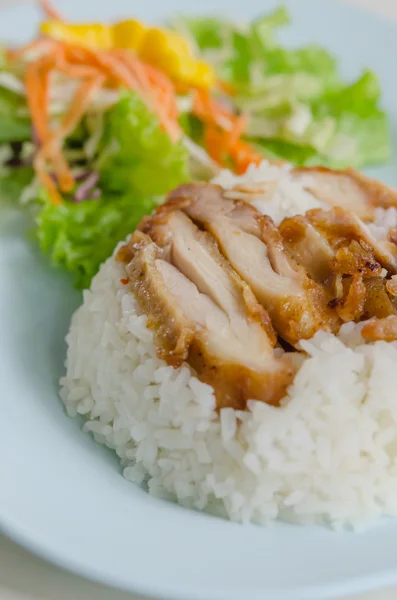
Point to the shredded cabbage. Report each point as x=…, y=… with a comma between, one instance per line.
x=299, y=108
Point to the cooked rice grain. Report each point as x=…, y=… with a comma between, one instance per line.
x=329, y=454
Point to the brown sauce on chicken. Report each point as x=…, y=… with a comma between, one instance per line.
x=203, y=313
x=222, y=285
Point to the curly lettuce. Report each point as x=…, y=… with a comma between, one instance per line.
x=299, y=108
x=137, y=154
x=137, y=164
x=14, y=127
x=79, y=237
x=13, y=182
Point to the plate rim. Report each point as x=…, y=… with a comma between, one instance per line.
x=21, y=535
x=349, y=586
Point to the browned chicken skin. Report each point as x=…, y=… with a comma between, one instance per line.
x=220, y=283
x=307, y=247
x=297, y=305
x=350, y=189
x=352, y=263
x=340, y=226
x=203, y=313
x=381, y=329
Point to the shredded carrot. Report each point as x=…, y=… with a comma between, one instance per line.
x=157, y=77
x=214, y=143
x=36, y=84
x=101, y=61
x=77, y=109
x=76, y=71
x=52, y=152
x=117, y=67
x=41, y=45
x=47, y=180
x=157, y=91
x=222, y=133
x=181, y=88
x=165, y=90
x=244, y=155
x=50, y=11
x=37, y=90
x=223, y=129
x=117, y=71
x=237, y=130
x=227, y=88
x=80, y=104
x=210, y=111
x=124, y=68
x=135, y=66
x=109, y=63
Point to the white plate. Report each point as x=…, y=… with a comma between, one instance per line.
x=63, y=496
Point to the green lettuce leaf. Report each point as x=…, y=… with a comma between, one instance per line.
x=262, y=30
x=3, y=57
x=361, y=98
x=248, y=50
x=311, y=60
x=138, y=164
x=355, y=141
x=137, y=154
x=13, y=128
x=295, y=98
x=359, y=141
x=298, y=155
x=343, y=127
x=13, y=182
x=208, y=33
x=79, y=237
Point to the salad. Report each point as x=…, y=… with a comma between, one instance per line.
x=98, y=121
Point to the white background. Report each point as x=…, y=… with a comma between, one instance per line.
x=25, y=577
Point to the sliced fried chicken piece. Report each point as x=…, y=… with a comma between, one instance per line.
x=196, y=254
x=353, y=306
x=297, y=305
x=356, y=258
x=307, y=247
x=391, y=286
x=349, y=189
x=360, y=261
x=168, y=320
x=378, y=302
x=340, y=227
x=202, y=313
x=381, y=329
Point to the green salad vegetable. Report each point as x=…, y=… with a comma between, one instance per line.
x=299, y=109
x=121, y=156
x=81, y=233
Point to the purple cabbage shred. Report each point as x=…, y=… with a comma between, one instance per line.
x=86, y=190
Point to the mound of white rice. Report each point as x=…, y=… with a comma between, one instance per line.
x=329, y=454
x=287, y=196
